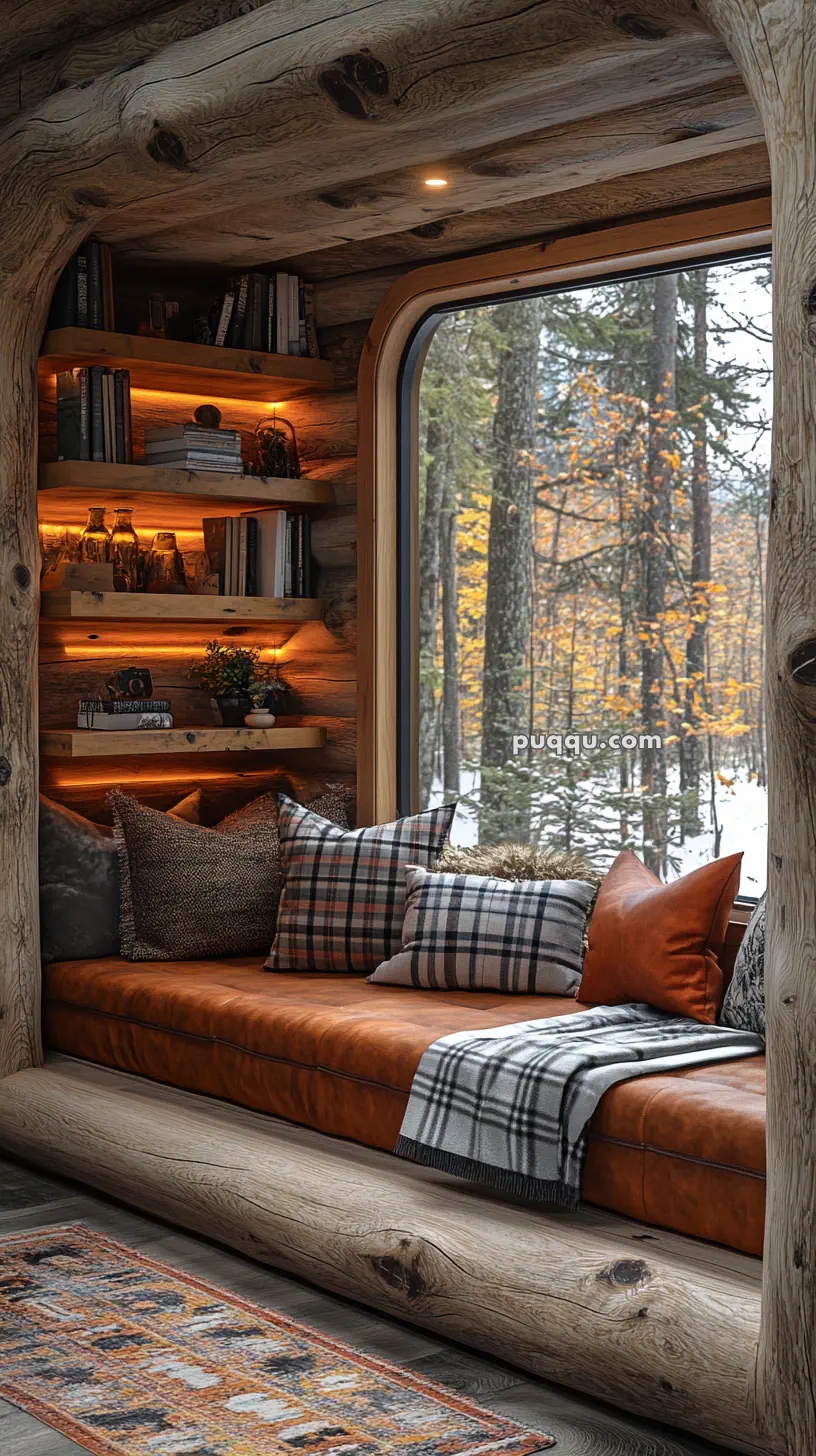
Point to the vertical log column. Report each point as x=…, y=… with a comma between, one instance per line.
x=20, y=1044
x=774, y=43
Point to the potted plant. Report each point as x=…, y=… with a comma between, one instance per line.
x=238, y=682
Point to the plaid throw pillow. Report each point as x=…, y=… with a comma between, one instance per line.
x=476, y=933
x=344, y=894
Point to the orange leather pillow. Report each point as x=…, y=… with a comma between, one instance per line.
x=659, y=943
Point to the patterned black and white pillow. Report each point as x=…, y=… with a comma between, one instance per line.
x=343, y=900
x=477, y=933
x=744, y=1004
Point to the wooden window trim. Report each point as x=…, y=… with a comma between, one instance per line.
x=675, y=237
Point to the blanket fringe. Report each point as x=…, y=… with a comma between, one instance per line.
x=519, y=1185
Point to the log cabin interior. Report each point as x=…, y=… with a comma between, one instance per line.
x=166, y=168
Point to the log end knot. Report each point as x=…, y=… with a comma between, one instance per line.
x=640, y=27
x=353, y=81
x=625, y=1273
x=166, y=147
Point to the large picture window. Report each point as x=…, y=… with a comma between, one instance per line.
x=590, y=566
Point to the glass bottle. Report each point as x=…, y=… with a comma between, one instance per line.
x=165, y=566
x=94, y=543
x=124, y=549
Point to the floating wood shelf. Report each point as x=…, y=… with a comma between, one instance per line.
x=180, y=368
x=180, y=497
x=93, y=743
x=76, y=606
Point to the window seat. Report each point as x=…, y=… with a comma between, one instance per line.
x=684, y=1151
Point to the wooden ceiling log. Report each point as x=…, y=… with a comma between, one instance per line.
x=351, y=281
x=77, y=56
x=41, y=25
x=775, y=47
x=336, y=98
x=705, y=122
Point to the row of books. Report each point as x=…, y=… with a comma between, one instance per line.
x=123, y=714
x=83, y=297
x=93, y=415
x=273, y=314
x=267, y=554
x=194, y=447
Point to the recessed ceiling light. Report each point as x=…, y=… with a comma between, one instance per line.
x=436, y=181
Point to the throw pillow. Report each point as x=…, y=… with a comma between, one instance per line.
x=516, y=862
x=744, y=1004
x=189, y=892
x=79, y=882
x=659, y=943
x=343, y=902
x=478, y=933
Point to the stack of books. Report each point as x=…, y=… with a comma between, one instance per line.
x=83, y=297
x=267, y=554
x=93, y=415
x=274, y=315
x=121, y=714
x=194, y=447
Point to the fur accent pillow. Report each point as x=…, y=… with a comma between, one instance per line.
x=79, y=882
x=478, y=933
x=517, y=862
x=744, y=1004
x=344, y=899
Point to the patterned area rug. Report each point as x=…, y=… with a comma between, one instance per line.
x=130, y=1357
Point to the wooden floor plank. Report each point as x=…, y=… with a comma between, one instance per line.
x=583, y=1427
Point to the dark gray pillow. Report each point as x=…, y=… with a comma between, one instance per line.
x=79, y=882
x=744, y=1004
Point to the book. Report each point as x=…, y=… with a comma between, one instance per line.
x=308, y=588
x=108, y=414
x=287, y=568
x=198, y=434
x=293, y=314
x=231, y=573
x=108, y=314
x=270, y=318
x=223, y=322
x=252, y=557
x=119, y=416
x=127, y=418
x=236, y=324
x=69, y=416
x=242, y=557
x=312, y=346
x=215, y=545
x=116, y=706
x=124, y=722
x=302, y=342
x=281, y=314
x=97, y=418
x=63, y=311
x=270, y=552
x=82, y=289
x=96, y=307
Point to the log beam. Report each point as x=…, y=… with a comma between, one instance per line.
x=668, y=1326
x=775, y=47
x=707, y=122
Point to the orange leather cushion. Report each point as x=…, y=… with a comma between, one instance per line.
x=659, y=943
x=686, y=1150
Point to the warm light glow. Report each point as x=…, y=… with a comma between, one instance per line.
x=181, y=402
x=436, y=181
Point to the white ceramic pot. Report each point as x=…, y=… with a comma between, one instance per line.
x=260, y=718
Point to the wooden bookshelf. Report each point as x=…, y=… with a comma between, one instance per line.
x=180, y=368
x=182, y=497
x=93, y=743
x=76, y=606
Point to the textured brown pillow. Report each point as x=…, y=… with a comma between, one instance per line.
x=187, y=891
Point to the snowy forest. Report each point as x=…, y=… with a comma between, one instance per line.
x=593, y=512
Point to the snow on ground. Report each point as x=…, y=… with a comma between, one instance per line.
x=742, y=810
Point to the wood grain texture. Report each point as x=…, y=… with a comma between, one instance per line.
x=64, y=487
x=776, y=51
x=180, y=368
x=695, y=125
x=678, y=1331
x=703, y=232
x=90, y=743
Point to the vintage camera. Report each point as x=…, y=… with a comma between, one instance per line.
x=131, y=682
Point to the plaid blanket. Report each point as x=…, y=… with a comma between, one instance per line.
x=509, y=1106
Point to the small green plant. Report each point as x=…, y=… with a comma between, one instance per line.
x=237, y=672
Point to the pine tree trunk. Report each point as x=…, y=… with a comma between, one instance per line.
x=700, y=574
x=507, y=611
x=451, y=731
x=436, y=447
x=655, y=533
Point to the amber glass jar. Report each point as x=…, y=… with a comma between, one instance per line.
x=94, y=543
x=124, y=551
